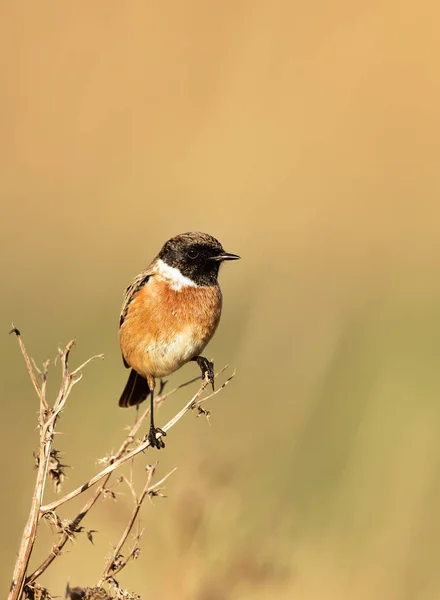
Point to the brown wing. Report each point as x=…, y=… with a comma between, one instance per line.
x=129, y=294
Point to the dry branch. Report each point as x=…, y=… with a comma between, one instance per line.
x=47, y=460
x=64, y=537
x=48, y=418
x=116, y=562
x=129, y=455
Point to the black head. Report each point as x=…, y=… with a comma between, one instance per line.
x=197, y=256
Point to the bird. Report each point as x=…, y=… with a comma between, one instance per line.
x=170, y=312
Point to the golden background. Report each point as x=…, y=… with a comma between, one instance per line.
x=306, y=137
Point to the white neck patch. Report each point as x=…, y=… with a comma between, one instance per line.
x=173, y=276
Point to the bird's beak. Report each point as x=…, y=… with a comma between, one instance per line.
x=225, y=256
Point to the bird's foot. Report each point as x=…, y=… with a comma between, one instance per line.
x=156, y=442
x=207, y=368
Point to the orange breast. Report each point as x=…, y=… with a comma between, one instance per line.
x=165, y=328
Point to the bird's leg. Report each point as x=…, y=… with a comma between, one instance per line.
x=154, y=441
x=207, y=369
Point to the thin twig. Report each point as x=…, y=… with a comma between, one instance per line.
x=65, y=537
x=30, y=369
x=123, y=459
x=113, y=567
x=85, y=363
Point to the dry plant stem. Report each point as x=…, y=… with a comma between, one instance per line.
x=64, y=538
x=110, y=570
x=29, y=366
x=48, y=419
x=126, y=457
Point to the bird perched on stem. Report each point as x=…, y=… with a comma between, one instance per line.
x=170, y=312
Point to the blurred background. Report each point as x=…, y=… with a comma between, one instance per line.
x=305, y=137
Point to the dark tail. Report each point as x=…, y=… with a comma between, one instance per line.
x=135, y=391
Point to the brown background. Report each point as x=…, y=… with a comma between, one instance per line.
x=305, y=136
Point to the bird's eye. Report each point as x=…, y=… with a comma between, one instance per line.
x=193, y=253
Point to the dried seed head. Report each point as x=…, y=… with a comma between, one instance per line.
x=36, y=592
x=87, y=593
x=56, y=468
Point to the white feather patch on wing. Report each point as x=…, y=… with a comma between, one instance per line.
x=176, y=280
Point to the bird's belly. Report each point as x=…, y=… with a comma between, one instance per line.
x=165, y=355
x=164, y=328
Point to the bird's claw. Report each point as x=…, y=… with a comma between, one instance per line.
x=156, y=442
x=207, y=368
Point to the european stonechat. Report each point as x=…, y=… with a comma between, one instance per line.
x=170, y=312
